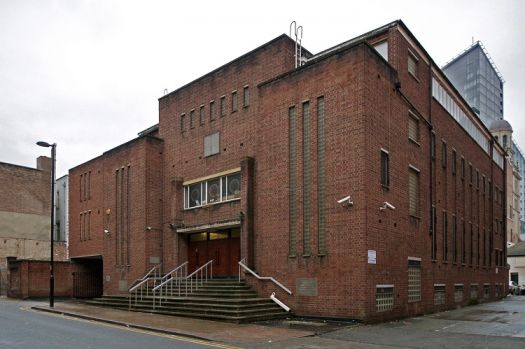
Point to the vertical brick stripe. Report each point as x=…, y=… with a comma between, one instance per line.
x=117, y=215
x=293, y=184
x=321, y=184
x=306, y=179
x=128, y=218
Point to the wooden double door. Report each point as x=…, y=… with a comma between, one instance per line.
x=222, y=246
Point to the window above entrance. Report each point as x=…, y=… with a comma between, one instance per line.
x=213, y=191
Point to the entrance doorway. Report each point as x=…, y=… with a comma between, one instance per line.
x=222, y=246
x=87, y=277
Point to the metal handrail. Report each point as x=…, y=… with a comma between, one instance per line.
x=166, y=277
x=174, y=276
x=241, y=264
x=143, y=285
x=134, y=284
x=201, y=275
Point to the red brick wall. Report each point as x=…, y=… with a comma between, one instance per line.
x=367, y=102
x=143, y=156
x=184, y=152
x=30, y=279
x=364, y=114
x=25, y=190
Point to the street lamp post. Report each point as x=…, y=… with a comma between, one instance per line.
x=51, y=271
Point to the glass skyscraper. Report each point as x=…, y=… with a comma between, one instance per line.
x=479, y=81
x=475, y=76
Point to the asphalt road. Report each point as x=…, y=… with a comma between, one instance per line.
x=21, y=327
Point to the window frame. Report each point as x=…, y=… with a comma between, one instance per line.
x=246, y=96
x=234, y=101
x=454, y=162
x=222, y=106
x=443, y=153
x=212, y=110
x=385, y=168
x=192, y=118
x=414, y=211
x=182, y=123
x=224, y=197
x=202, y=117
x=412, y=57
x=414, y=120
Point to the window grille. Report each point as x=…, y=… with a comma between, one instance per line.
x=458, y=293
x=439, y=294
x=473, y=291
x=384, y=298
x=414, y=281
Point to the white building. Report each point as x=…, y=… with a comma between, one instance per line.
x=516, y=260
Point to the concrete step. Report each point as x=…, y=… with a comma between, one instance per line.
x=218, y=299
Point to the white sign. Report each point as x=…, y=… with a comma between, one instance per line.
x=371, y=256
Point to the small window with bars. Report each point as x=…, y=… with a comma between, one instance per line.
x=384, y=297
x=486, y=291
x=414, y=281
x=439, y=294
x=458, y=293
x=474, y=291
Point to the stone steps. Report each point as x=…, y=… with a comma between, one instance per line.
x=223, y=299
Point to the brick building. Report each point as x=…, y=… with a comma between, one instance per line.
x=25, y=203
x=361, y=180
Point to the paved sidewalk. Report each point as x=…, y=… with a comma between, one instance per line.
x=236, y=334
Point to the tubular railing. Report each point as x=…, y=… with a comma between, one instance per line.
x=192, y=281
x=200, y=276
x=142, y=286
x=242, y=265
x=169, y=282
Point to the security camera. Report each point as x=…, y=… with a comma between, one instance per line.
x=106, y=231
x=387, y=205
x=347, y=200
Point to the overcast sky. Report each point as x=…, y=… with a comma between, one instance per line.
x=87, y=74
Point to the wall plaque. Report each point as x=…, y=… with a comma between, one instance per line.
x=307, y=287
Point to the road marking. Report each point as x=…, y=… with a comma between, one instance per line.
x=137, y=330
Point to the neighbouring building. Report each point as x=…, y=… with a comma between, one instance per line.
x=502, y=132
x=25, y=204
x=475, y=75
x=61, y=209
x=479, y=81
x=360, y=179
x=516, y=260
x=520, y=165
